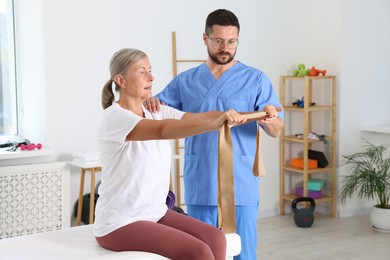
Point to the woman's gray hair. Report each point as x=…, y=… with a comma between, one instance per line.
x=120, y=62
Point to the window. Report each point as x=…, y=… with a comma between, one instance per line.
x=8, y=95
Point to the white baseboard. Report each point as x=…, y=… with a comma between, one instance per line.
x=268, y=213
x=343, y=213
x=354, y=212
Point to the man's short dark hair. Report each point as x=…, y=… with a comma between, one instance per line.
x=221, y=17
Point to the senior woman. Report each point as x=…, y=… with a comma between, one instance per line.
x=134, y=149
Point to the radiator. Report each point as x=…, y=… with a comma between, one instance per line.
x=34, y=198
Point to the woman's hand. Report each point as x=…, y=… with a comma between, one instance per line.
x=233, y=118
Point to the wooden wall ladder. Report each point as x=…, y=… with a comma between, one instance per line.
x=178, y=148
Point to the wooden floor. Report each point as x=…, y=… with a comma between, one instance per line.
x=327, y=238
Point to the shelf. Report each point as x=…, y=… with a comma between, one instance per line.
x=310, y=171
x=293, y=196
x=382, y=129
x=293, y=138
x=311, y=108
x=307, y=77
x=25, y=154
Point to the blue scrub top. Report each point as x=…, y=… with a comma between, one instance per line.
x=242, y=88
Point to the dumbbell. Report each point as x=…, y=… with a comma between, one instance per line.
x=13, y=146
x=30, y=146
x=303, y=217
x=316, y=72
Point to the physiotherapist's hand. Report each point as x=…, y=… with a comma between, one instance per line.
x=272, y=114
x=152, y=104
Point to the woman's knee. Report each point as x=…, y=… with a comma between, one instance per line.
x=217, y=243
x=200, y=251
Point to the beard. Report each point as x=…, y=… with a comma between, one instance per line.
x=215, y=57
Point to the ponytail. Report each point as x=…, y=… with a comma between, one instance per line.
x=107, y=94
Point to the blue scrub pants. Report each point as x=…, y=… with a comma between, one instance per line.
x=246, y=221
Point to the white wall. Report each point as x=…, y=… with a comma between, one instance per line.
x=365, y=85
x=79, y=38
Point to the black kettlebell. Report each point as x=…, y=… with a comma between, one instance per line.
x=303, y=217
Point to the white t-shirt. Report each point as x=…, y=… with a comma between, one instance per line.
x=135, y=174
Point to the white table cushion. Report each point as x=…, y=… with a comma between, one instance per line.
x=79, y=243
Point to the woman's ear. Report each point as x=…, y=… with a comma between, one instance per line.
x=120, y=81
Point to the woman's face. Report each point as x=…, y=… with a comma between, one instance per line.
x=137, y=82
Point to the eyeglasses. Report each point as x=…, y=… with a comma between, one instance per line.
x=220, y=43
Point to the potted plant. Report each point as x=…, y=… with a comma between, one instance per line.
x=369, y=177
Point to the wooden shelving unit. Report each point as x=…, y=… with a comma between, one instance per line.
x=310, y=88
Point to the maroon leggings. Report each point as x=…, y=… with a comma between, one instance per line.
x=175, y=236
